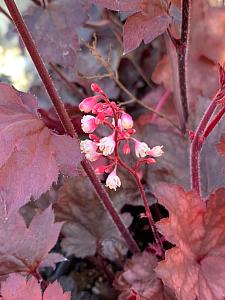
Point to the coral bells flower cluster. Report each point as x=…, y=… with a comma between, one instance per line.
x=108, y=113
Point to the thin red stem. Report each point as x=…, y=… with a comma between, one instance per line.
x=139, y=184
x=159, y=106
x=182, y=55
x=2, y=10
x=214, y=122
x=145, y=201
x=197, y=144
x=65, y=119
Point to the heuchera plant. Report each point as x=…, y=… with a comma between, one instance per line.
x=185, y=260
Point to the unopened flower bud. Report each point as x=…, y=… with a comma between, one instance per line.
x=126, y=149
x=88, y=103
x=88, y=124
x=126, y=121
x=96, y=88
x=150, y=161
x=113, y=181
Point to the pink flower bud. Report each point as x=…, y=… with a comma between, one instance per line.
x=88, y=103
x=150, y=161
x=126, y=121
x=126, y=149
x=113, y=181
x=102, y=169
x=88, y=124
x=94, y=137
x=96, y=88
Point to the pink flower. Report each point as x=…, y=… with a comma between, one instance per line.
x=126, y=121
x=107, y=145
x=88, y=124
x=89, y=149
x=141, y=149
x=156, y=151
x=113, y=181
x=88, y=146
x=88, y=104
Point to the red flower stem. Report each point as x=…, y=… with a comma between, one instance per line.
x=103, y=195
x=197, y=144
x=139, y=184
x=145, y=201
x=159, y=106
x=65, y=120
x=182, y=49
x=214, y=122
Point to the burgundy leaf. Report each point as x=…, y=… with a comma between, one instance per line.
x=30, y=154
x=148, y=21
x=138, y=279
x=55, y=28
x=87, y=226
x=25, y=249
x=140, y=27
x=120, y=5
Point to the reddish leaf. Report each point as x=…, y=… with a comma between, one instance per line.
x=17, y=287
x=87, y=224
x=30, y=154
x=138, y=279
x=150, y=19
x=140, y=27
x=55, y=28
x=25, y=249
x=195, y=267
x=55, y=292
x=120, y=5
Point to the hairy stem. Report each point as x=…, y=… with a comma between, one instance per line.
x=197, y=144
x=65, y=119
x=182, y=50
x=145, y=201
x=162, y=101
x=103, y=195
x=214, y=122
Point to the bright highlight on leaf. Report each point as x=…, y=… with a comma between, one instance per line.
x=18, y=287
x=195, y=268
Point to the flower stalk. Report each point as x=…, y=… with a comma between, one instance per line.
x=65, y=120
x=121, y=124
x=203, y=130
